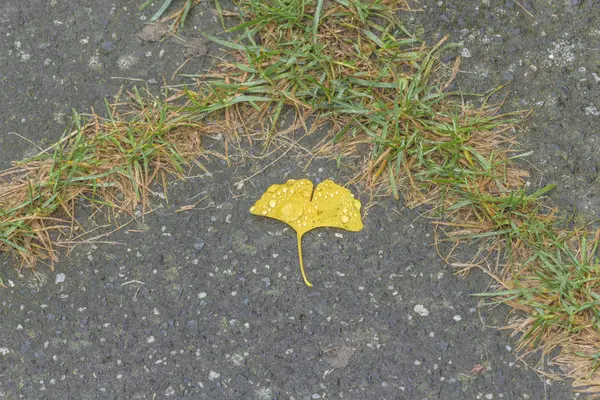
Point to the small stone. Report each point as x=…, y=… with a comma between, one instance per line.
x=192, y=324
x=444, y=18
x=60, y=278
x=108, y=46
x=464, y=52
x=507, y=76
x=202, y=295
x=457, y=318
x=444, y=345
x=421, y=310
x=199, y=245
x=169, y=391
x=213, y=375
x=267, y=281
x=575, y=2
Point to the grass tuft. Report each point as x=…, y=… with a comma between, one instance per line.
x=105, y=162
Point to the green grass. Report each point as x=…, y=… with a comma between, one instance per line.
x=381, y=96
x=107, y=162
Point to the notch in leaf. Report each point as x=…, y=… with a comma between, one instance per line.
x=295, y=203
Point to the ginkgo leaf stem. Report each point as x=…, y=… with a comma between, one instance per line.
x=301, y=262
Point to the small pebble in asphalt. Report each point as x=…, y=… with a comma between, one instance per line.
x=421, y=310
x=60, y=278
x=507, y=76
x=199, y=245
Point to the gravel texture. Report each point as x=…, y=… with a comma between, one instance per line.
x=209, y=303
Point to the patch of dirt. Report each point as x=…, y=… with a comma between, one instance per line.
x=196, y=48
x=340, y=357
x=152, y=33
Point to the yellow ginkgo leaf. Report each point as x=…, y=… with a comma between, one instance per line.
x=295, y=203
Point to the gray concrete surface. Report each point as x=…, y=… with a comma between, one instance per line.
x=209, y=304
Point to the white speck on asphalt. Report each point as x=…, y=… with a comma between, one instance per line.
x=417, y=362
x=561, y=55
x=464, y=52
x=213, y=375
x=60, y=278
x=4, y=351
x=421, y=310
x=126, y=62
x=202, y=295
x=170, y=391
x=457, y=318
x=150, y=339
x=591, y=110
x=237, y=359
x=94, y=63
